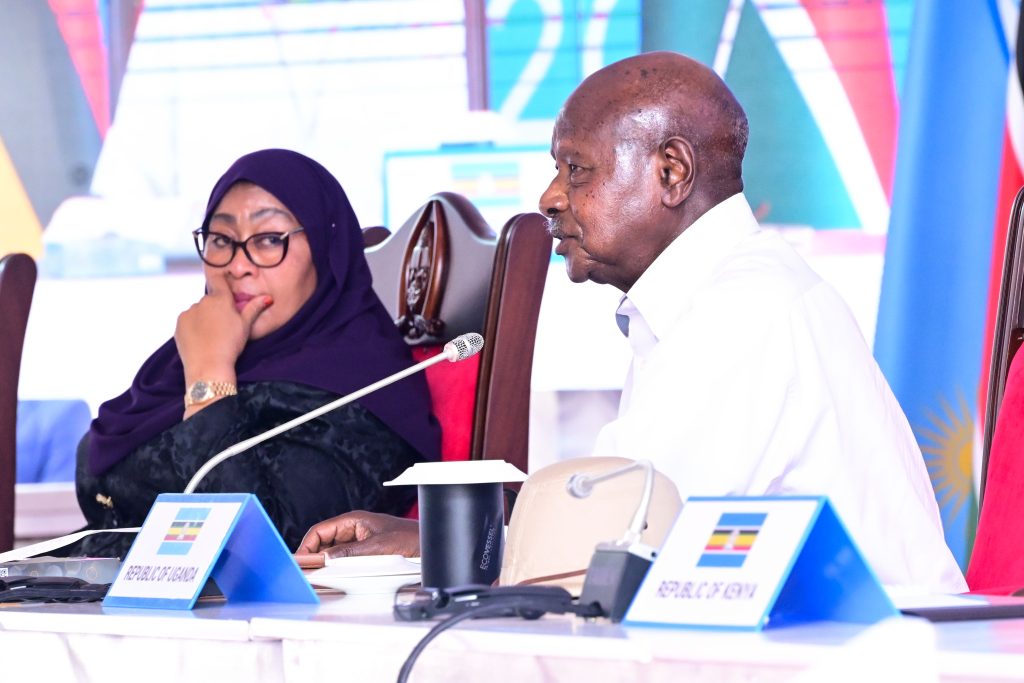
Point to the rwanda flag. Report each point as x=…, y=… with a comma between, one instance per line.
x=931, y=318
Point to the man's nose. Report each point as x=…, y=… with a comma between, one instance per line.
x=553, y=201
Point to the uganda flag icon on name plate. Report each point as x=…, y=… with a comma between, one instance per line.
x=183, y=532
x=732, y=539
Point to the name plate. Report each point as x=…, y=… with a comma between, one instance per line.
x=188, y=540
x=751, y=563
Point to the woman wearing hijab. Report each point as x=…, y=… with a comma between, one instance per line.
x=289, y=322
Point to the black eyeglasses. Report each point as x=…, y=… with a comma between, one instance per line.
x=265, y=249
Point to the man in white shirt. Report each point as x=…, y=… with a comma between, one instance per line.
x=749, y=374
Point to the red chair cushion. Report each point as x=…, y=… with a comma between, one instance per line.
x=997, y=563
x=453, y=394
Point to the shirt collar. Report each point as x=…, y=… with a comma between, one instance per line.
x=665, y=289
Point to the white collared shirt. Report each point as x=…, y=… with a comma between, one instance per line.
x=751, y=377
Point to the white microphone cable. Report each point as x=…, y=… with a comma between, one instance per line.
x=460, y=348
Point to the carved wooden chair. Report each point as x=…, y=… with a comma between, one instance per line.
x=1008, y=334
x=445, y=272
x=17, y=283
x=997, y=565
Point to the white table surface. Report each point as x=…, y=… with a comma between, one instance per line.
x=356, y=639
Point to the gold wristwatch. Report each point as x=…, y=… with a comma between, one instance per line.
x=201, y=391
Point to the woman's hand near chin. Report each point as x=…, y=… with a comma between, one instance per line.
x=210, y=336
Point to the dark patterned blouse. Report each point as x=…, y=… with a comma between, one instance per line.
x=329, y=465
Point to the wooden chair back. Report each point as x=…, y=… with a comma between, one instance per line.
x=1008, y=334
x=445, y=272
x=17, y=284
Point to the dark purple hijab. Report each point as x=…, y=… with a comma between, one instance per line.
x=340, y=340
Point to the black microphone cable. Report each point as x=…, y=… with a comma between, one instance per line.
x=488, y=610
x=492, y=602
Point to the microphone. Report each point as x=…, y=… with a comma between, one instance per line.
x=616, y=569
x=582, y=485
x=463, y=346
x=460, y=348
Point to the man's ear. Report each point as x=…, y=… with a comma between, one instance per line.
x=678, y=170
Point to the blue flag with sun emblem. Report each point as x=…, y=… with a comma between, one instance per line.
x=931, y=315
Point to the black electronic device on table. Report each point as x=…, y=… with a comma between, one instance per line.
x=970, y=607
x=528, y=602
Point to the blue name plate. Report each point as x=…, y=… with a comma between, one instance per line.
x=751, y=563
x=189, y=539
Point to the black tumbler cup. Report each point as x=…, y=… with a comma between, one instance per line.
x=461, y=533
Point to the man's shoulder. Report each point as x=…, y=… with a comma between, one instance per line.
x=763, y=272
